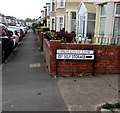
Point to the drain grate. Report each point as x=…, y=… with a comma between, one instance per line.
x=34, y=65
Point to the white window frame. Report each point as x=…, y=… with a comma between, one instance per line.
x=48, y=10
x=59, y=3
x=62, y=3
x=67, y=20
x=115, y=15
x=48, y=22
x=90, y=20
x=51, y=6
x=115, y=9
x=101, y=16
x=61, y=23
x=51, y=24
x=58, y=23
x=73, y=19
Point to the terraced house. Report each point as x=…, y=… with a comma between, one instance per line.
x=63, y=15
x=71, y=14
x=107, y=28
x=52, y=14
x=48, y=14
x=87, y=18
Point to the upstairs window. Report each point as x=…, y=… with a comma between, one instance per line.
x=45, y=12
x=53, y=6
x=49, y=8
x=61, y=3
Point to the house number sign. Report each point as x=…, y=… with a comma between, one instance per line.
x=75, y=54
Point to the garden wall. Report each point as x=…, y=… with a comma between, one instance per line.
x=107, y=59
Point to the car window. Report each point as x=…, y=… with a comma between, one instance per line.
x=18, y=30
x=16, y=33
x=4, y=32
x=0, y=31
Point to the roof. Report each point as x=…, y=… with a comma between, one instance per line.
x=90, y=6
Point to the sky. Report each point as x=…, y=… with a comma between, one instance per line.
x=22, y=9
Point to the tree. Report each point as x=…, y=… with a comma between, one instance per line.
x=28, y=19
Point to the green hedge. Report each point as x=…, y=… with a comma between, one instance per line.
x=36, y=25
x=44, y=28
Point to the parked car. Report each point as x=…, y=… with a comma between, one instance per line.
x=6, y=41
x=24, y=29
x=19, y=30
x=15, y=35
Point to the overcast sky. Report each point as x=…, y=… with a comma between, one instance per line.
x=22, y=9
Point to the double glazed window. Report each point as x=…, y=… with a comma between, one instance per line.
x=48, y=10
x=61, y=3
x=61, y=23
x=53, y=23
x=53, y=6
x=91, y=24
x=116, y=30
x=102, y=19
x=67, y=21
x=81, y=25
x=73, y=21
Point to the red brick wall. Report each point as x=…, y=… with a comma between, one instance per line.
x=36, y=34
x=107, y=59
x=46, y=51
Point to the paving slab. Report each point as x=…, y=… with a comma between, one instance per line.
x=87, y=93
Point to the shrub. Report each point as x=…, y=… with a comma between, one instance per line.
x=113, y=44
x=53, y=36
x=35, y=25
x=111, y=106
x=44, y=28
x=38, y=27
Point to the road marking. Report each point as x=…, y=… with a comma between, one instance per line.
x=33, y=65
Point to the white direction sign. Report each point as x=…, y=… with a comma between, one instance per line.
x=75, y=51
x=75, y=54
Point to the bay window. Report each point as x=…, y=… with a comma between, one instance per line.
x=91, y=25
x=73, y=21
x=53, y=23
x=102, y=19
x=61, y=23
x=116, y=30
